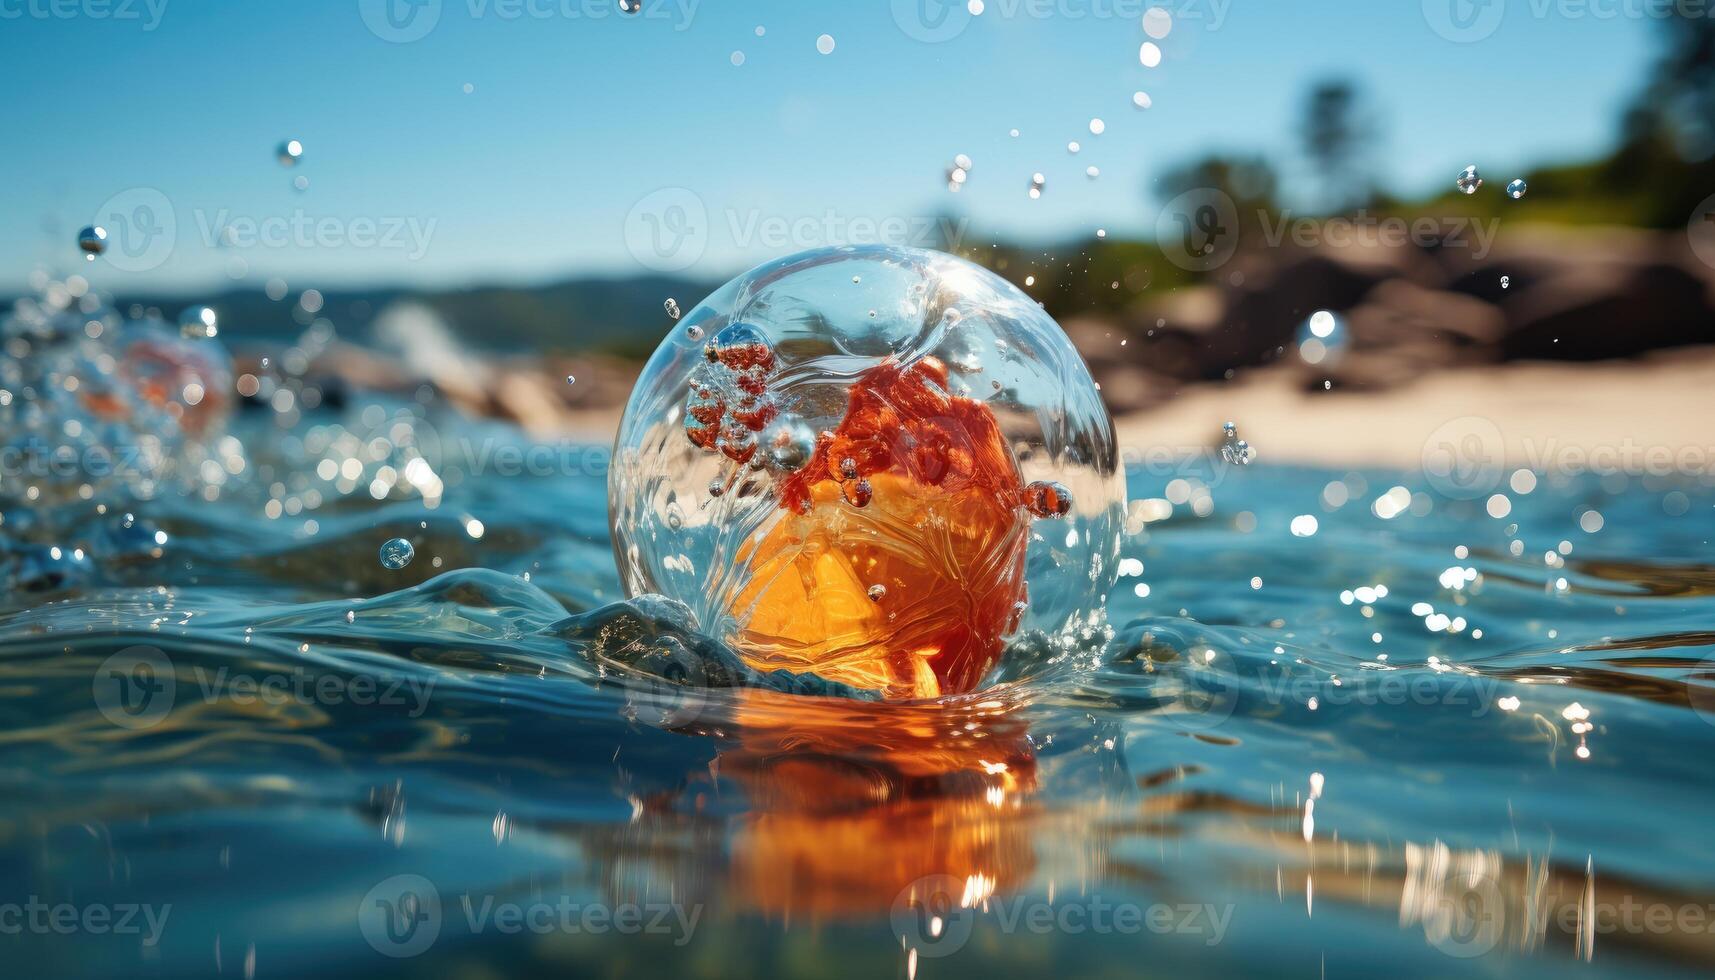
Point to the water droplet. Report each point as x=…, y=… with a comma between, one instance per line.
x=1141, y=100
x=694, y=332
x=1469, y=180
x=1092, y=172
x=1073, y=147
x=848, y=469
x=301, y=183
x=571, y=379
x=1157, y=22
x=1234, y=450
x=716, y=488
x=1012, y=133
x=737, y=59
x=350, y=616
x=396, y=554
x=1097, y=127
x=857, y=493
x=1516, y=189
x=877, y=592
x=672, y=307
x=788, y=443
x=290, y=152
x=825, y=44
x=1506, y=281
x=1037, y=183
x=1046, y=499
x=1149, y=55
x=198, y=323
x=93, y=240
x=630, y=6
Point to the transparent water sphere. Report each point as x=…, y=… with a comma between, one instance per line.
x=785, y=452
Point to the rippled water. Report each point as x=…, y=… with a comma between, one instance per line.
x=1275, y=765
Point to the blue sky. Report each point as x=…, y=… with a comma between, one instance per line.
x=577, y=113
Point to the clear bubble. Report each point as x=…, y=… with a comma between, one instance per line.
x=672, y=307
x=1468, y=180
x=828, y=452
x=1037, y=184
x=198, y=323
x=289, y=153
x=630, y=6
x=300, y=183
x=1149, y=55
x=1506, y=281
x=1516, y=189
x=877, y=592
x=571, y=379
x=92, y=240
x=396, y=554
x=1141, y=100
x=737, y=59
x=825, y=44
x=1097, y=127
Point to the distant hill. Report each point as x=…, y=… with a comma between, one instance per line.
x=619, y=316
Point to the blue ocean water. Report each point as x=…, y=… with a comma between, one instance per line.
x=232, y=743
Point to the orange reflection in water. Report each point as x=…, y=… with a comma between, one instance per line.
x=898, y=564
x=853, y=803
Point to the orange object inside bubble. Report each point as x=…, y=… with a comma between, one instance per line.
x=898, y=561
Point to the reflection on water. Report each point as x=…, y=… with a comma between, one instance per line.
x=1402, y=738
